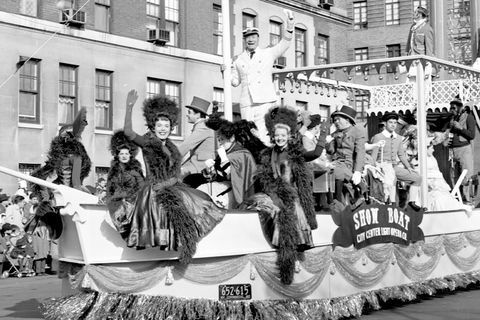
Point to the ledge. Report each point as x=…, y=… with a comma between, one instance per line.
x=30, y=125
x=104, y=132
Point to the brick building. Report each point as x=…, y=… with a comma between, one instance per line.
x=93, y=52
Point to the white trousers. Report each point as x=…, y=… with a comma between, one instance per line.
x=256, y=113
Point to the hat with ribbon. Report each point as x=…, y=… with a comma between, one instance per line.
x=199, y=105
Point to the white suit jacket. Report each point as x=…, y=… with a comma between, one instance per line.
x=255, y=75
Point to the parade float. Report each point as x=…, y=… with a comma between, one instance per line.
x=361, y=258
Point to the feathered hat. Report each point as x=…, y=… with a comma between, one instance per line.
x=77, y=126
x=220, y=125
x=120, y=141
x=160, y=106
x=282, y=115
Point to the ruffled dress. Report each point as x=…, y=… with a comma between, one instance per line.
x=167, y=213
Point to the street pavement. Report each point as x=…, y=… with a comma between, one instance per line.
x=20, y=300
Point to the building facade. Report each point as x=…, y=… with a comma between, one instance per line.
x=61, y=55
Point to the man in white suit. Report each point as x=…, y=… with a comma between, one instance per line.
x=252, y=69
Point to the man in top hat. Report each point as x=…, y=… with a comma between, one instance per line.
x=200, y=144
x=420, y=37
x=463, y=130
x=347, y=149
x=392, y=155
x=252, y=70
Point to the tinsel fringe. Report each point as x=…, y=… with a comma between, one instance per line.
x=95, y=305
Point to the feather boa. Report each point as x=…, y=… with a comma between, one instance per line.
x=276, y=187
x=161, y=167
x=124, y=180
x=61, y=147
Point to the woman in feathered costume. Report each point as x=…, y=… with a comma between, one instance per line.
x=67, y=163
x=167, y=213
x=125, y=178
x=287, y=213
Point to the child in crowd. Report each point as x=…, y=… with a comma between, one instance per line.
x=21, y=248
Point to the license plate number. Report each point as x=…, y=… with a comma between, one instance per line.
x=235, y=291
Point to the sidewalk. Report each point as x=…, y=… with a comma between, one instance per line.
x=20, y=297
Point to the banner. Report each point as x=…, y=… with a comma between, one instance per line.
x=377, y=223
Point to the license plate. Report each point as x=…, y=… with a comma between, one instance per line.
x=235, y=292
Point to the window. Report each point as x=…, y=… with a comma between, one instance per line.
x=153, y=8
x=420, y=3
x=102, y=15
x=171, y=90
x=393, y=50
x=322, y=49
x=219, y=96
x=172, y=21
x=275, y=32
x=392, y=15
x=360, y=15
x=217, y=30
x=300, y=48
x=28, y=168
x=324, y=112
x=103, y=99
x=301, y=105
x=29, y=92
x=361, y=104
x=67, y=97
x=360, y=55
x=28, y=7
x=248, y=20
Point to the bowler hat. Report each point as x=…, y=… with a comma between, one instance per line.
x=423, y=11
x=389, y=115
x=457, y=101
x=346, y=112
x=250, y=30
x=199, y=105
x=3, y=197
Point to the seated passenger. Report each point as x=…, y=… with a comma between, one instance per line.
x=167, y=213
x=347, y=150
x=285, y=183
x=124, y=179
x=439, y=197
x=392, y=158
x=234, y=165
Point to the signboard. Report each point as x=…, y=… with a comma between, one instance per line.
x=377, y=223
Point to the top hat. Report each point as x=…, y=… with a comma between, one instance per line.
x=457, y=101
x=346, y=112
x=3, y=197
x=423, y=11
x=389, y=115
x=199, y=105
x=249, y=31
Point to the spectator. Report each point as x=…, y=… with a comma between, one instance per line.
x=14, y=214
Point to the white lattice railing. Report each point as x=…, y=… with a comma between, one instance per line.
x=402, y=97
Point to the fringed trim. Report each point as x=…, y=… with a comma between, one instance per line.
x=95, y=305
x=186, y=233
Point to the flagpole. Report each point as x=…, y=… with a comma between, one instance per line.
x=227, y=74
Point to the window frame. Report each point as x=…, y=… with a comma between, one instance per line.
x=362, y=53
x=360, y=8
x=218, y=94
x=419, y=3
x=110, y=98
x=217, y=29
x=392, y=12
x=153, y=8
x=326, y=58
x=246, y=17
x=75, y=83
x=37, y=82
x=300, y=50
x=105, y=4
x=391, y=49
x=27, y=167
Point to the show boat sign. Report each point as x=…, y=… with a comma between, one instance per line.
x=371, y=224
